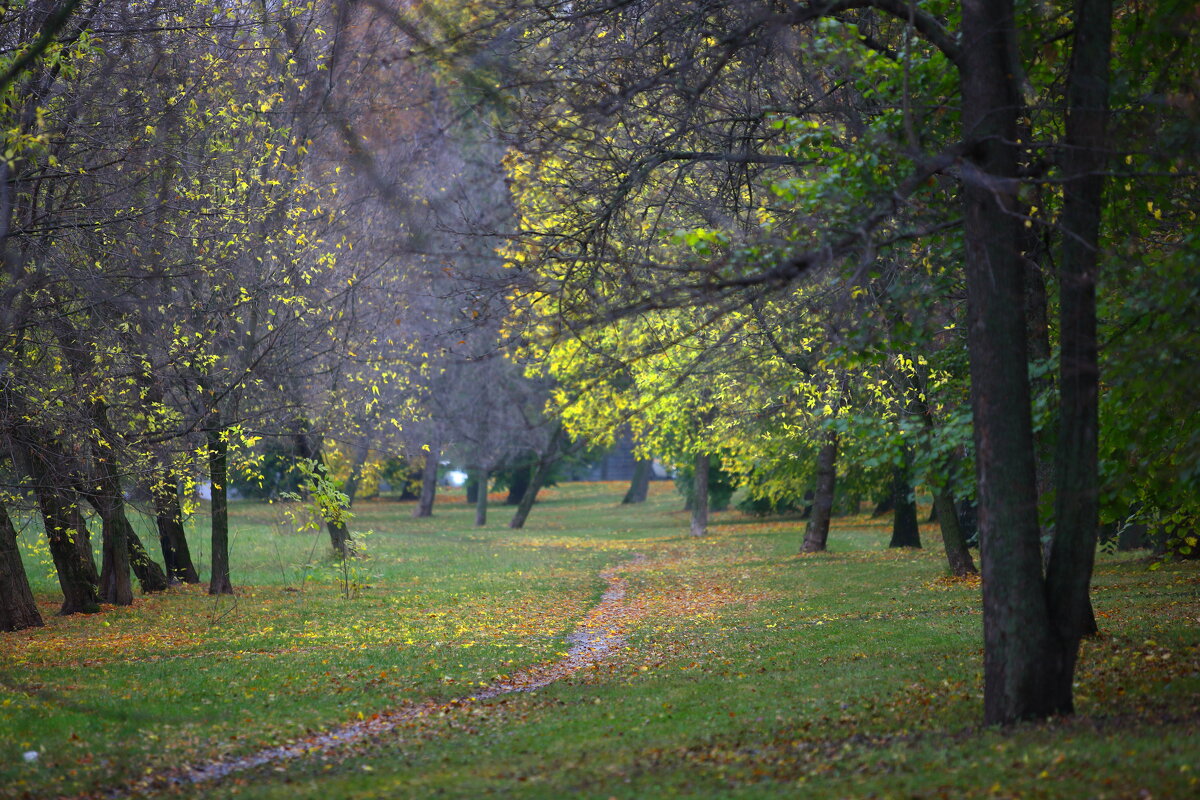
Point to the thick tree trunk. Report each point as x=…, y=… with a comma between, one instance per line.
x=906, y=531
x=428, y=482
x=816, y=536
x=17, y=607
x=700, y=496
x=79, y=592
x=169, y=517
x=1019, y=645
x=1069, y=571
x=59, y=517
x=218, y=468
x=81, y=537
x=482, y=477
x=639, y=485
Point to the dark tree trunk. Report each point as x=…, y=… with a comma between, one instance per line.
x=884, y=506
x=481, y=497
x=472, y=488
x=17, y=607
x=1072, y=555
x=59, y=517
x=816, y=536
x=149, y=574
x=79, y=592
x=1019, y=646
x=517, y=488
x=639, y=485
x=169, y=516
x=339, y=533
x=81, y=537
x=428, y=482
x=218, y=468
x=541, y=471
x=906, y=532
x=957, y=554
x=700, y=496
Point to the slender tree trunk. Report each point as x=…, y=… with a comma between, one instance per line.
x=1069, y=571
x=428, y=482
x=957, y=554
x=518, y=488
x=218, y=463
x=169, y=517
x=639, y=485
x=1018, y=641
x=149, y=574
x=906, y=531
x=481, y=497
x=816, y=536
x=541, y=471
x=17, y=607
x=339, y=532
x=700, y=496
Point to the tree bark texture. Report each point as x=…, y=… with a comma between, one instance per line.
x=700, y=496
x=17, y=607
x=541, y=471
x=79, y=592
x=481, y=497
x=639, y=484
x=428, y=482
x=1018, y=641
x=906, y=531
x=957, y=554
x=521, y=478
x=168, y=513
x=149, y=574
x=816, y=536
x=218, y=468
x=1072, y=554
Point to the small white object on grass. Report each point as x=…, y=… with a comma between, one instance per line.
x=31, y=756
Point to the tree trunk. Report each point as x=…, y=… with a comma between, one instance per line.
x=817, y=535
x=149, y=574
x=58, y=519
x=906, y=531
x=1019, y=644
x=639, y=485
x=957, y=554
x=522, y=477
x=79, y=593
x=541, y=471
x=428, y=482
x=481, y=497
x=81, y=537
x=17, y=607
x=1072, y=556
x=169, y=516
x=700, y=496
x=218, y=462
x=339, y=532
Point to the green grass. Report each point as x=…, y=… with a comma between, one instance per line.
x=750, y=671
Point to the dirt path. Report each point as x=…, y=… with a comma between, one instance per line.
x=598, y=635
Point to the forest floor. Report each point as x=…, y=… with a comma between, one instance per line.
x=600, y=652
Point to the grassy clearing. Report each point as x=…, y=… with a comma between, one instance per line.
x=752, y=672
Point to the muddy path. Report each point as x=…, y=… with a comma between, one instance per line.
x=600, y=633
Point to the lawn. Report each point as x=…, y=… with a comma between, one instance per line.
x=747, y=670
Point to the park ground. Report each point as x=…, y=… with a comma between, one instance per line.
x=746, y=669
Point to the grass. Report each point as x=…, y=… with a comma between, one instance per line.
x=751, y=671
